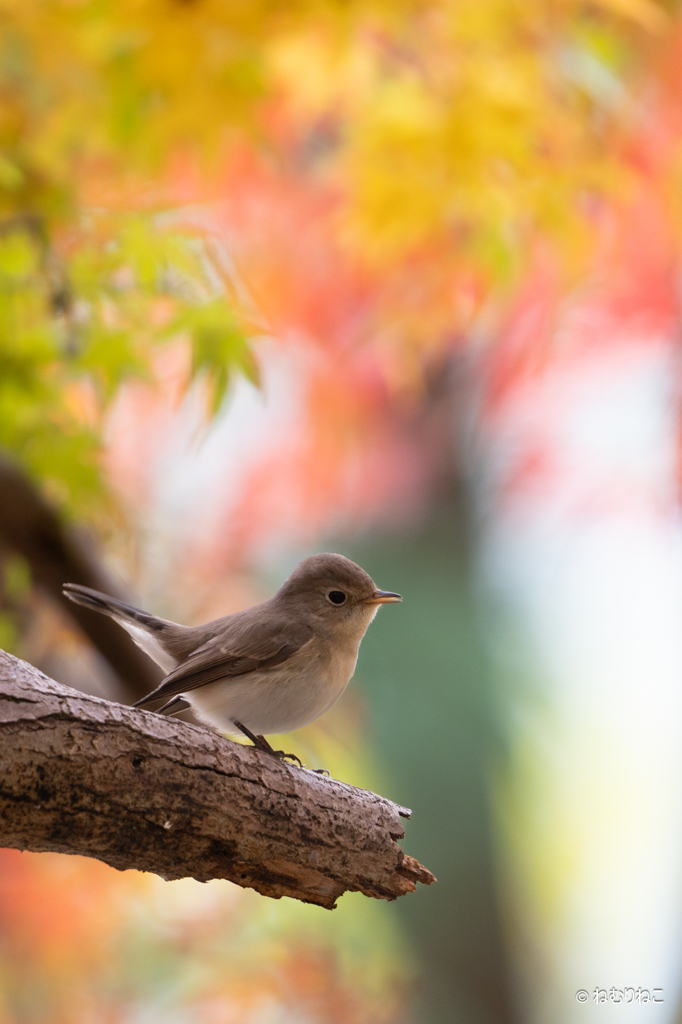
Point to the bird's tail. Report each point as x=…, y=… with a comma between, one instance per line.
x=110, y=606
x=156, y=637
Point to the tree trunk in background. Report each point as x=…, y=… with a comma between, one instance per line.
x=432, y=714
x=31, y=528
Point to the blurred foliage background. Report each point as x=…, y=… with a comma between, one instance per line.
x=351, y=276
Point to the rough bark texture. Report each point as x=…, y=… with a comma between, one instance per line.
x=82, y=775
x=56, y=556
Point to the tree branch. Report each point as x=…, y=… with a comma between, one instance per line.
x=82, y=775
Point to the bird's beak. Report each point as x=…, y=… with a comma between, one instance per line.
x=383, y=597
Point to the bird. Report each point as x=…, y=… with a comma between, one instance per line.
x=271, y=668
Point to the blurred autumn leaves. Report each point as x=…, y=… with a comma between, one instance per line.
x=81, y=942
x=452, y=138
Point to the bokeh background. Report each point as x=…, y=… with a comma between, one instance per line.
x=400, y=279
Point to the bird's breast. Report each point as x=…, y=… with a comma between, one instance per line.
x=282, y=698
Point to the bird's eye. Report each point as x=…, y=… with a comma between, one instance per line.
x=336, y=596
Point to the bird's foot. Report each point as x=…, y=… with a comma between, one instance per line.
x=281, y=755
x=260, y=743
x=292, y=757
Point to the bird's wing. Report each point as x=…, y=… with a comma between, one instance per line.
x=264, y=645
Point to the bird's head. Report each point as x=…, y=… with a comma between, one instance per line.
x=337, y=591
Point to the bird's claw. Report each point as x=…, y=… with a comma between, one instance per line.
x=292, y=757
x=317, y=771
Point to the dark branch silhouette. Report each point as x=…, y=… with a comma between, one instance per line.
x=55, y=554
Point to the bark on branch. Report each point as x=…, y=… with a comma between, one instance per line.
x=82, y=775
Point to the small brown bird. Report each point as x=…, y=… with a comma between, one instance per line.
x=269, y=669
